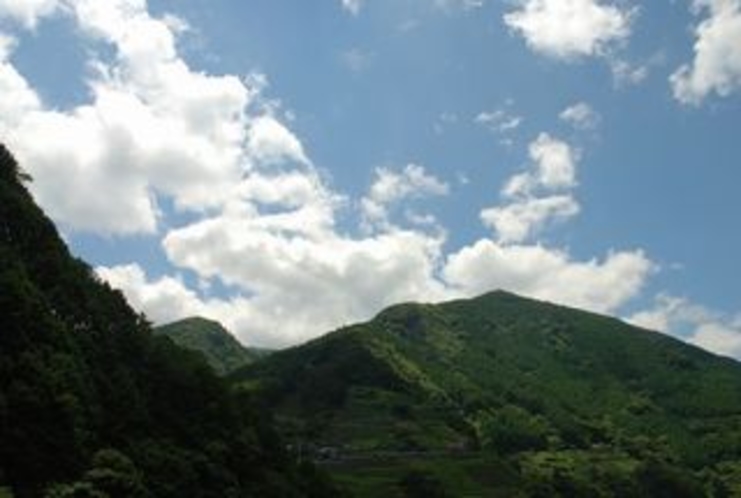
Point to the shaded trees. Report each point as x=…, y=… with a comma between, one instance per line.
x=92, y=404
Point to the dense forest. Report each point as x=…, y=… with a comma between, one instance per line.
x=222, y=351
x=93, y=404
x=506, y=396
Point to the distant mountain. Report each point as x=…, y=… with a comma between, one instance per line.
x=222, y=351
x=92, y=404
x=565, y=397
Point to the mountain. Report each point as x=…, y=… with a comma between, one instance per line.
x=563, y=402
x=222, y=351
x=93, y=404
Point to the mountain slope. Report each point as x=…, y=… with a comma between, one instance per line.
x=92, y=404
x=222, y=351
x=510, y=376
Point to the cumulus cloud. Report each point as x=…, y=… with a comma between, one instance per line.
x=720, y=338
x=568, y=29
x=531, y=200
x=694, y=323
x=390, y=187
x=549, y=274
x=153, y=126
x=270, y=142
x=555, y=166
x=261, y=220
x=716, y=67
x=499, y=121
x=537, y=197
x=519, y=220
x=19, y=99
x=626, y=74
x=304, y=276
x=295, y=274
x=27, y=12
x=166, y=299
x=581, y=116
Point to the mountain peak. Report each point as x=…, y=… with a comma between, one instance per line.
x=220, y=348
x=504, y=372
x=196, y=319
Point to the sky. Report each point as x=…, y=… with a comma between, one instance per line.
x=288, y=167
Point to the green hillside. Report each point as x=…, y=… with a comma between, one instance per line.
x=555, y=396
x=92, y=404
x=222, y=351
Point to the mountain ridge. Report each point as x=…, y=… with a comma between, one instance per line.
x=514, y=377
x=93, y=404
x=221, y=349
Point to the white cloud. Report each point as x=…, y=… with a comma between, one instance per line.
x=19, y=99
x=716, y=67
x=569, y=29
x=537, y=197
x=269, y=142
x=165, y=300
x=352, y=6
x=626, y=74
x=556, y=163
x=549, y=274
x=27, y=12
x=581, y=116
x=671, y=314
x=413, y=181
x=521, y=219
x=719, y=338
x=532, y=200
x=260, y=219
x=499, y=121
x=153, y=126
x=296, y=275
x=391, y=187
x=693, y=323
x=289, y=189
x=306, y=278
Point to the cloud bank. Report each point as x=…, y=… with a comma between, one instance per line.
x=210, y=171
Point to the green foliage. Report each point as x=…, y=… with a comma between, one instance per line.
x=420, y=484
x=93, y=404
x=222, y=351
x=113, y=475
x=516, y=377
x=511, y=429
x=661, y=480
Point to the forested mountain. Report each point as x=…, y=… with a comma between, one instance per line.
x=92, y=404
x=222, y=351
x=557, y=402
x=493, y=396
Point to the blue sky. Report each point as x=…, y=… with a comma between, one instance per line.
x=287, y=167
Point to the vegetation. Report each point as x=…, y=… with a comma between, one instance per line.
x=573, y=403
x=92, y=404
x=222, y=351
x=497, y=396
